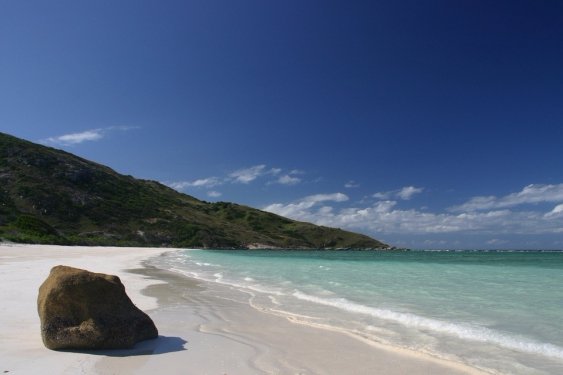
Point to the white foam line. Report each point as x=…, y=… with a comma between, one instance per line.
x=218, y=278
x=462, y=331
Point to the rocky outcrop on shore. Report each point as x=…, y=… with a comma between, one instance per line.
x=81, y=310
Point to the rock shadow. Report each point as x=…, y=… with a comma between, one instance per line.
x=160, y=345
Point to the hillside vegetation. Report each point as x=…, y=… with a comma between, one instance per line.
x=51, y=196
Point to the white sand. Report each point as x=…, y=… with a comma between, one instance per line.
x=200, y=333
x=22, y=270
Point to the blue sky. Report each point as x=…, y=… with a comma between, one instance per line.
x=424, y=124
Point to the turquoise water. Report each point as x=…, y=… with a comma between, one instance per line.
x=500, y=311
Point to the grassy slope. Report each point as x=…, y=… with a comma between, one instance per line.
x=51, y=196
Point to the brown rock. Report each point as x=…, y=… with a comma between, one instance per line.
x=85, y=310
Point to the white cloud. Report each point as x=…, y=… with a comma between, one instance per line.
x=76, y=138
x=247, y=175
x=208, y=182
x=300, y=210
x=382, y=195
x=556, y=212
x=335, y=197
x=405, y=193
x=123, y=128
x=351, y=184
x=85, y=136
x=535, y=193
x=243, y=176
x=178, y=185
x=288, y=180
x=385, y=217
x=214, y=194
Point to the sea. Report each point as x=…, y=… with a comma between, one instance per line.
x=499, y=311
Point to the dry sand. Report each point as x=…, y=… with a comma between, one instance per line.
x=200, y=332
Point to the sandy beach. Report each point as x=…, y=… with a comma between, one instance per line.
x=200, y=332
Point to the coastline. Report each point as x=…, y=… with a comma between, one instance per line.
x=200, y=332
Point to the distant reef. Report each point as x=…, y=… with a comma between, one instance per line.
x=50, y=196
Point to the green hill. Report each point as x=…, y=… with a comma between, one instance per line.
x=51, y=196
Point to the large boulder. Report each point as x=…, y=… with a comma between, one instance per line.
x=85, y=310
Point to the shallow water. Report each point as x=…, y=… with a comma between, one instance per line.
x=499, y=311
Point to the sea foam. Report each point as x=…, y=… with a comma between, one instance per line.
x=460, y=330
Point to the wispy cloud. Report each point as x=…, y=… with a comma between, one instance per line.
x=384, y=216
x=535, y=193
x=247, y=175
x=405, y=193
x=243, y=176
x=84, y=136
x=351, y=184
x=383, y=195
x=214, y=194
x=556, y=212
x=76, y=138
x=288, y=180
x=334, y=197
x=208, y=182
x=301, y=210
